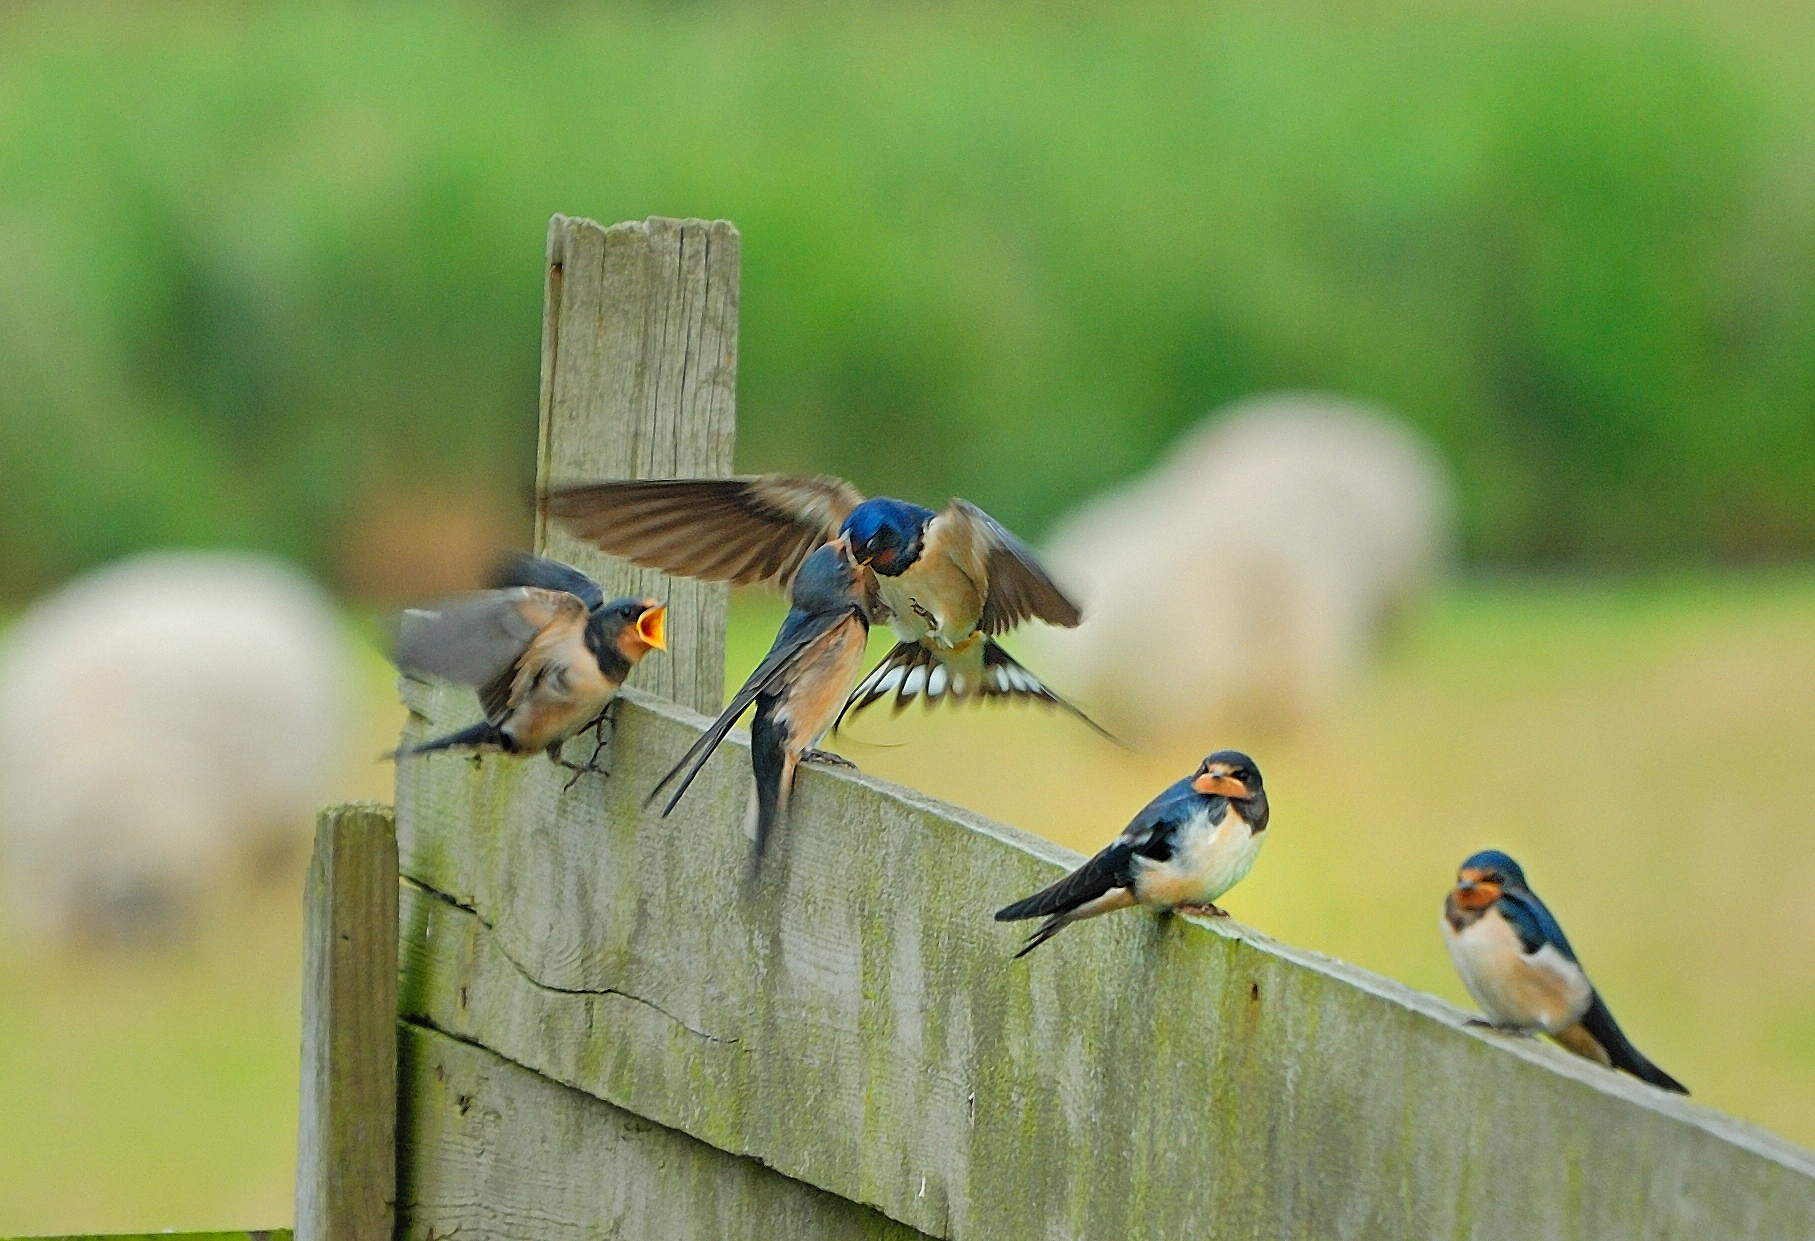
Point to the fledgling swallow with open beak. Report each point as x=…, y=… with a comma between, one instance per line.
x=543, y=647
x=1189, y=845
x=947, y=581
x=1520, y=969
x=798, y=688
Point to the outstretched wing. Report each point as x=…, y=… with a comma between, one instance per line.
x=741, y=530
x=1019, y=586
x=475, y=639
x=1149, y=835
x=798, y=635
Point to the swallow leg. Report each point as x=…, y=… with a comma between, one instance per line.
x=1204, y=908
x=827, y=758
x=597, y=728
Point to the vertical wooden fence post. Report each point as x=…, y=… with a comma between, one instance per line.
x=346, y=1159
x=639, y=380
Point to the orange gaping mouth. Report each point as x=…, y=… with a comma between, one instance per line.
x=652, y=626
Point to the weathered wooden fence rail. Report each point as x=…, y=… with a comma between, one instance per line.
x=605, y=980
x=608, y=1028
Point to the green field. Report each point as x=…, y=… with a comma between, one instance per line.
x=1643, y=749
x=267, y=270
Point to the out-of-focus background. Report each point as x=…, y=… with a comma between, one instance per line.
x=1422, y=395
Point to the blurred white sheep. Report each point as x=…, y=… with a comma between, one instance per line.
x=1246, y=578
x=166, y=724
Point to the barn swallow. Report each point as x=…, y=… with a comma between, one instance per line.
x=947, y=581
x=1190, y=845
x=797, y=688
x=544, y=648
x=1514, y=960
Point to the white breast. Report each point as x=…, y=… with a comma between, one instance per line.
x=1211, y=859
x=908, y=624
x=1543, y=990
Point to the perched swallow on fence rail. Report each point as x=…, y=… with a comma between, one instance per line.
x=544, y=648
x=798, y=688
x=1189, y=845
x=1515, y=961
x=947, y=581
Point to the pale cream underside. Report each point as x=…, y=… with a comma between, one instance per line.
x=1210, y=862
x=571, y=691
x=821, y=679
x=1540, y=991
x=946, y=582
x=819, y=683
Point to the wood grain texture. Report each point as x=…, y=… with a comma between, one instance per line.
x=496, y=1151
x=852, y=1019
x=346, y=1145
x=639, y=380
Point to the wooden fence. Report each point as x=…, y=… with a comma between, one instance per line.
x=608, y=1029
x=605, y=1028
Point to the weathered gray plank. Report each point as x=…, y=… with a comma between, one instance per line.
x=639, y=379
x=346, y=1155
x=493, y=1150
x=854, y=1021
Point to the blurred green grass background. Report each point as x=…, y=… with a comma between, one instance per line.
x=269, y=269
x=270, y=276
x=1641, y=748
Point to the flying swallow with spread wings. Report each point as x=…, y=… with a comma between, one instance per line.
x=948, y=582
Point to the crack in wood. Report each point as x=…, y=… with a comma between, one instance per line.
x=454, y=902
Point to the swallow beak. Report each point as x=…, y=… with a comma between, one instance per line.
x=652, y=626
x=1220, y=784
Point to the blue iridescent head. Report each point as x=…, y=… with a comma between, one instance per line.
x=886, y=534
x=1493, y=866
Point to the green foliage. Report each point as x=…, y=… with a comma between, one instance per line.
x=258, y=265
